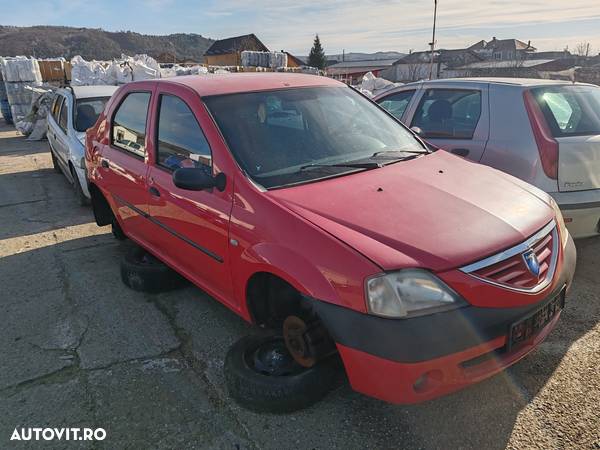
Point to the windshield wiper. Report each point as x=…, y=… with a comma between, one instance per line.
x=416, y=152
x=358, y=165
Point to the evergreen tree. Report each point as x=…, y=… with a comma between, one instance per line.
x=317, y=57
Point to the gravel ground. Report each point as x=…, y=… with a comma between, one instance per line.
x=77, y=349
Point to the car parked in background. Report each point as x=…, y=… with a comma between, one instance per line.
x=307, y=210
x=73, y=111
x=544, y=132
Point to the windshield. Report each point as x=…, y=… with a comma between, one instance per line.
x=87, y=111
x=296, y=135
x=570, y=110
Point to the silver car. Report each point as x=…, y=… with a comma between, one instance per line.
x=544, y=132
x=74, y=110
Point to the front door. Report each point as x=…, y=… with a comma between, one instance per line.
x=193, y=226
x=455, y=120
x=123, y=162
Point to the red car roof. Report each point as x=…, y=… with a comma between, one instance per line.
x=231, y=83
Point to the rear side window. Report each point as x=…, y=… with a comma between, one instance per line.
x=570, y=110
x=64, y=116
x=181, y=142
x=56, y=106
x=397, y=103
x=129, y=123
x=87, y=111
x=448, y=113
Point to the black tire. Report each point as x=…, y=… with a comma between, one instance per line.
x=55, y=165
x=81, y=198
x=142, y=272
x=281, y=393
x=116, y=230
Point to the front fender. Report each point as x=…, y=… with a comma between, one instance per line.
x=288, y=265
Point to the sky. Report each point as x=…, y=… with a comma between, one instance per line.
x=350, y=25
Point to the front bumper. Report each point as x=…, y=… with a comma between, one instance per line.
x=418, y=359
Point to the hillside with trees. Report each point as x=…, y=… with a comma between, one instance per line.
x=92, y=43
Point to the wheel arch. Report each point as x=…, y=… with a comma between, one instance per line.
x=277, y=269
x=102, y=212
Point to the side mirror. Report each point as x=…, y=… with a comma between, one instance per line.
x=196, y=179
x=416, y=130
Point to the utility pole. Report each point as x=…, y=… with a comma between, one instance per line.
x=432, y=44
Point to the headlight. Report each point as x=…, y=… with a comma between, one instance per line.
x=410, y=292
x=560, y=222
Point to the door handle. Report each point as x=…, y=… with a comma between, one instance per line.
x=105, y=164
x=154, y=192
x=460, y=151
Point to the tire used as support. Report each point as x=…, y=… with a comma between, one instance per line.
x=281, y=387
x=143, y=272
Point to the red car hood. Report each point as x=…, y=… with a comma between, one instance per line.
x=437, y=212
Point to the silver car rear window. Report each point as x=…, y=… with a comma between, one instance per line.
x=570, y=110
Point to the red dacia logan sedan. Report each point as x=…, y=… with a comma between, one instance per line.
x=304, y=207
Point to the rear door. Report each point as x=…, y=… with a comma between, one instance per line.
x=454, y=118
x=123, y=160
x=572, y=113
x=192, y=226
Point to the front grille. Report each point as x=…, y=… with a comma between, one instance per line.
x=509, y=268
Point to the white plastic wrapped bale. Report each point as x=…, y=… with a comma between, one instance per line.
x=279, y=59
x=144, y=67
x=20, y=69
x=198, y=70
x=372, y=85
x=168, y=72
x=90, y=73
x=263, y=59
x=26, y=115
x=38, y=116
x=20, y=93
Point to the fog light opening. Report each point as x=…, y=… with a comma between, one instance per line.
x=428, y=381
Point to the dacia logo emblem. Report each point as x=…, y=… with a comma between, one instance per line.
x=532, y=263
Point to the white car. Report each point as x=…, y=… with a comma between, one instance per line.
x=74, y=110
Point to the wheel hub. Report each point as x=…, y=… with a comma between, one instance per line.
x=294, y=331
x=273, y=358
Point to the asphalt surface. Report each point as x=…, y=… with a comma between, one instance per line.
x=77, y=348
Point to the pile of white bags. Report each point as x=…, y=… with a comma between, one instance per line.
x=264, y=59
x=84, y=73
x=373, y=86
x=177, y=71
x=118, y=71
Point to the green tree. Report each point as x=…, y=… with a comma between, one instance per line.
x=317, y=57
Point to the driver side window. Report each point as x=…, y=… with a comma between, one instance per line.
x=180, y=140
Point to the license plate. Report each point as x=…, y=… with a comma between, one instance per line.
x=525, y=328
